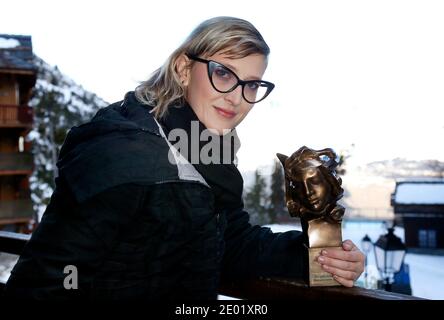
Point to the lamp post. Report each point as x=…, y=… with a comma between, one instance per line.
x=389, y=254
x=366, y=245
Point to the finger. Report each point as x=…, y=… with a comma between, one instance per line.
x=353, y=256
x=349, y=245
x=344, y=282
x=347, y=275
x=340, y=264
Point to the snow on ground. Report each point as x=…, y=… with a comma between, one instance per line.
x=426, y=271
x=426, y=275
x=7, y=262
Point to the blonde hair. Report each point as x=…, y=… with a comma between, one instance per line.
x=234, y=37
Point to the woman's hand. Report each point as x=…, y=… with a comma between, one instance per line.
x=345, y=265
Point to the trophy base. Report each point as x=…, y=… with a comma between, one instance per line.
x=317, y=277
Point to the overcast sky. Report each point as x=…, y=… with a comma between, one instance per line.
x=362, y=73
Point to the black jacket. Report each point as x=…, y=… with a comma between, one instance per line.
x=135, y=226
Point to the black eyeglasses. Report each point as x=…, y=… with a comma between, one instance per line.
x=224, y=80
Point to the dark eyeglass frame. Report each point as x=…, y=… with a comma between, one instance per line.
x=242, y=83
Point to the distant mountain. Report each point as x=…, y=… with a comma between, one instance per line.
x=59, y=104
x=397, y=168
x=370, y=185
x=400, y=168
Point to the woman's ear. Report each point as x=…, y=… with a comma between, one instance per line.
x=183, y=69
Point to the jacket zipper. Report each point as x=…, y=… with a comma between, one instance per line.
x=218, y=253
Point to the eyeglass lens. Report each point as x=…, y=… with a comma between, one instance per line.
x=224, y=80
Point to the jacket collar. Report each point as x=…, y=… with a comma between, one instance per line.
x=138, y=113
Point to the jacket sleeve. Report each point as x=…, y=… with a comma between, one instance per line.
x=252, y=251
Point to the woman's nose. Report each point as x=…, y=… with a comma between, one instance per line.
x=235, y=96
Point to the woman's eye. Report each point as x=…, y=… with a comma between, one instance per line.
x=221, y=72
x=253, y=85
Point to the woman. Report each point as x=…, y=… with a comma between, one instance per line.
x=134, y=218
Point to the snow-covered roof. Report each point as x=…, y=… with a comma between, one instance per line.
x=7, y=43
x=420, y=193
x=16, y=52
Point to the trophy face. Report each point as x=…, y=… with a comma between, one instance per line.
x=311, y=184
x=316, y=189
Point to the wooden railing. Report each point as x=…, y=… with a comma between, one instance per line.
x=16, y=211
x=13, y=243
x=15, y=116
x=11, y=162
x=288, y=289
x=263, y=288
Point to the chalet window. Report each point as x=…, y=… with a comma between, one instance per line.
x=432, y=238
x=427, y=238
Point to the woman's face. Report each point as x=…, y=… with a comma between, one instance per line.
x=217, y=110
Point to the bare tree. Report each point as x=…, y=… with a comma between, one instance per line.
x=277, y=207
x=437, y=167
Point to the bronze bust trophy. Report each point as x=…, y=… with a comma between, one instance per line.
x=311, y=191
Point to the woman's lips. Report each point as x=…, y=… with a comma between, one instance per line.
x=225, y=113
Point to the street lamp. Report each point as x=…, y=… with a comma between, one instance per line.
x=389, y=254
x=366, y=245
